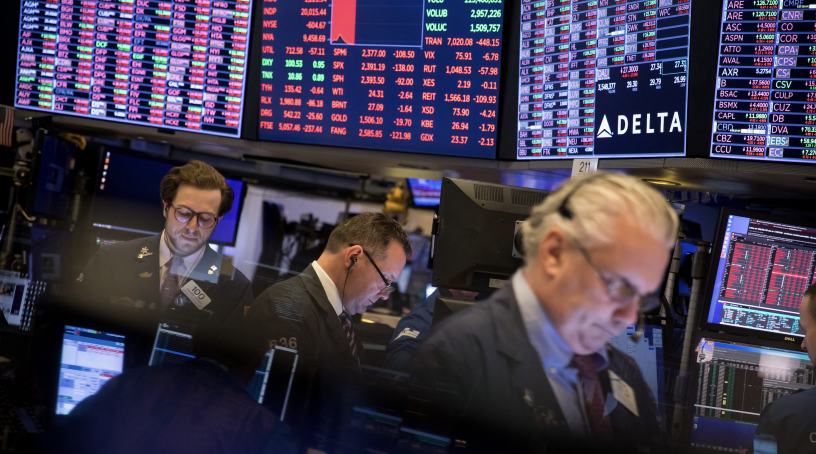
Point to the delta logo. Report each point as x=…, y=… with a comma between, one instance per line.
x=641, y=125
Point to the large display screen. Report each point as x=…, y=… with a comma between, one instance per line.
x=128, y=198
x=404, y=75
x=172, y=64
x=763, y=271
x=766, y=84
x=603, y=78
x=734, y=383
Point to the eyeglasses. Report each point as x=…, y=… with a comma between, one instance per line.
x=388, y=289
x=621, y=291
x=205, y=220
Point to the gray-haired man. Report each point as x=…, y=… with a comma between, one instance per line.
x=532, y=364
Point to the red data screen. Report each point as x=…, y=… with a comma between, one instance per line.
x=404, y=75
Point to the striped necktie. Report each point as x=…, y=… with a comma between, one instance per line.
x=600, y=426
x=348, y=327
x=170, y=286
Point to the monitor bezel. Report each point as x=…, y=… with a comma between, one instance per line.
x=694, y=369
x=716, y=250
x=238, y=203
x=60, y=347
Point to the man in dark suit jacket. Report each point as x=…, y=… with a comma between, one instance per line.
x=531, y=367
x=311, y=312
x=175, y=275
x=790, y=420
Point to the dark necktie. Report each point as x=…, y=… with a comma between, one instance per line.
x=594, y=402
x=170, y=286
x=348, y=327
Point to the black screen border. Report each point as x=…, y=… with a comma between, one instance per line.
x=701, y=79
x=690, y=384
x=716, y=250
x=125, y=236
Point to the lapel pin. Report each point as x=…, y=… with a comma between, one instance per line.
x=144, y=253
x=528, y=397
x=145, y=274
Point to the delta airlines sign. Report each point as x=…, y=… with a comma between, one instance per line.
x=642, y=124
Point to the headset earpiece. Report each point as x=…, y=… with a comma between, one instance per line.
x=353, y=262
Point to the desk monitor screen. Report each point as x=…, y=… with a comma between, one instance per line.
x=174, y=345
x=127, y=198
x=401, y=75
x=89, y=359
x=762, y=271
x=735, y=381
x=648, y=354
x=169, y=65
x=603, y=79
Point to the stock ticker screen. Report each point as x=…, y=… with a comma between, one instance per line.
x=766, y=84
x=403, y=75
x=763, y=271
x=172, y=64
x=603, y=78
x=734, y=383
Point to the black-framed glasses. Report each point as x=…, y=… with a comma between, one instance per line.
x=184, y=214
x=621, y=291
x=388, y=289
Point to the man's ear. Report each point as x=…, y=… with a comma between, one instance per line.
x=551, y=250
x=165, y=208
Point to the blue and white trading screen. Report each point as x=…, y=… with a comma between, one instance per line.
x=648, y=354
x=170, y=64
x=402, y=75
x=763, y=271
x=603, y=78
x=735, y=382
x=89, y=359
x=765, y=105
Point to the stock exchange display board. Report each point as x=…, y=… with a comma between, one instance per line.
x=603, y=78
x=172, y=64
x=403, y=75
x=766, y=83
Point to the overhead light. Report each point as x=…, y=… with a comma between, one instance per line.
x=661, y=182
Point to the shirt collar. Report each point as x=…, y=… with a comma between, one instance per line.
x=190, y=262
x=329, y=287
x=552, y=349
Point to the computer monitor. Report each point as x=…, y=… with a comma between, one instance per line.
x=473, y=245
x=647, y=352
x=425, y=192
x=734, y=381
x=174, y=344
x=127, y=197
x=89, y=359
x=760, y=269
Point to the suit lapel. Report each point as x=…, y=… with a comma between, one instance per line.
x=526, y=372
x=315, y=288
x=146, y=268
x=208, y=268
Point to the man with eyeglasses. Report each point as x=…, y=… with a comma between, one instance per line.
x=173, y=274
x=312, y=312
x=532, y=365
